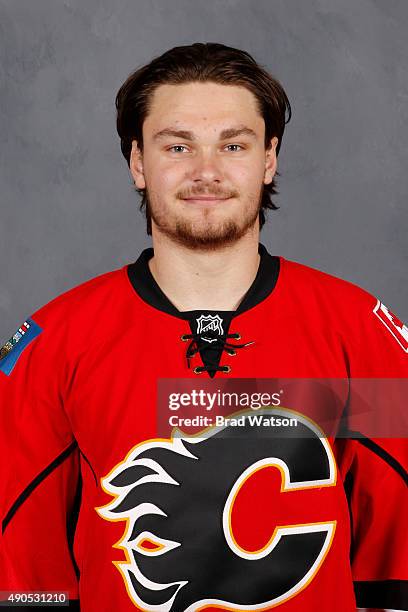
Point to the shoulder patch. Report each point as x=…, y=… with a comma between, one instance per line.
x=12, y=349
x=393, y=324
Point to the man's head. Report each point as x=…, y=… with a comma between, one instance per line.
x=200, y=128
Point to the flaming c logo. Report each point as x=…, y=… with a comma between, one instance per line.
x=204, y=519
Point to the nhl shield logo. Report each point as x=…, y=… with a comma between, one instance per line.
x=209, y=323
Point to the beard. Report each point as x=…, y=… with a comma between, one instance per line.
x=207, y=235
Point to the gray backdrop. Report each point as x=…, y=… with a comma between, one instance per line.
x=68, y=209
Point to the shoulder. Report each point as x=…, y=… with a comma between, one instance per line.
x=354, y=312
x=330, y=290
x=63, y=326
x=91, y=296
x=79, y=312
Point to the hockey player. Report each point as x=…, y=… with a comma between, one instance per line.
x=98, y=503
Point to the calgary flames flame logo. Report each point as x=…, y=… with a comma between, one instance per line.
x=177, y=497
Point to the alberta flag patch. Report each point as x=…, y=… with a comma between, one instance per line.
x=12, y=349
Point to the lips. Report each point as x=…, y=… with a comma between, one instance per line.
x=205, y=199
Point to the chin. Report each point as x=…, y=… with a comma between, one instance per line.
x=209, y=237
x=205, y=231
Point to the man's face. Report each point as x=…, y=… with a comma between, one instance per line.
x=204, y=163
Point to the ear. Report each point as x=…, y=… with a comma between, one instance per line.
x=136, y=166
x=270, y=161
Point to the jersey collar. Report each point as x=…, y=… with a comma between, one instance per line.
x=149, y=291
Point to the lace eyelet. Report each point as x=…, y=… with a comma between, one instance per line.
x=197, y=370
x=232, y=352
x=237, y=336
x=227, y=369
x=183, y=338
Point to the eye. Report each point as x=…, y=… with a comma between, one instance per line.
x=237, y=147
x=177, y=148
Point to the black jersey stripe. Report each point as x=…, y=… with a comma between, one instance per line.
x=381, y=452
x=388, y=594
x=36, y=481
x=348, y=489
x=90, y=466
x=72, y=521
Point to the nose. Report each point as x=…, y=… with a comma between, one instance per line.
x=206, y=168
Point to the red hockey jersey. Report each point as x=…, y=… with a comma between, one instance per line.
x=97, y=502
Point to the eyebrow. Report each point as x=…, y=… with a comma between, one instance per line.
x=188, y=135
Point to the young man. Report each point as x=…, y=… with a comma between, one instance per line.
x=218, y=521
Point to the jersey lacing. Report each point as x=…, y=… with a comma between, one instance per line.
x=197, y=344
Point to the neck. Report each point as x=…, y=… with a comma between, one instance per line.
x=205, y=280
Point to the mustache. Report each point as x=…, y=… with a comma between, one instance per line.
x=206, y=191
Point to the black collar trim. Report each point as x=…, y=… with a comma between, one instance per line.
x=149, y=291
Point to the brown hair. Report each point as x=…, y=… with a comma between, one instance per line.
x=201, y=62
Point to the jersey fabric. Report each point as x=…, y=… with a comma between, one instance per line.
x=94, y=503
